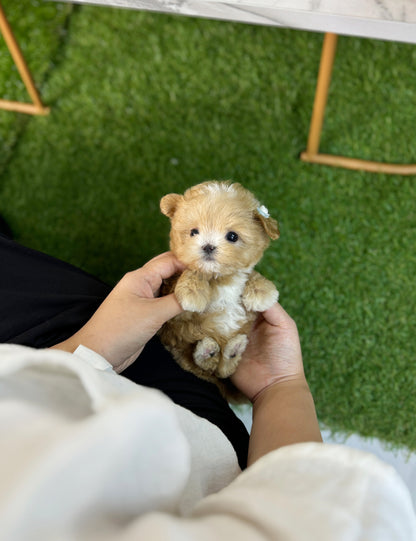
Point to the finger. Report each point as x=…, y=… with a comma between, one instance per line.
x=277, y=316
x=160, y=256
x=159, y=268
x=163, y=266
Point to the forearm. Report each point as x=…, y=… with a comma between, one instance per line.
x=283, y=414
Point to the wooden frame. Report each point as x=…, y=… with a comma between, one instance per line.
x=36, y=107
x=312, y=153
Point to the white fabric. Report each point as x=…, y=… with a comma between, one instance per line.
x=401, y=458
x=88, y=455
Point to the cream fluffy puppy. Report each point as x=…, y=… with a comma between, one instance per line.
x=219, y=231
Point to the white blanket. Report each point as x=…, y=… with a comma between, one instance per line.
x=88, y=455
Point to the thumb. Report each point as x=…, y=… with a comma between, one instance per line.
x=167, y=308
x=276, y=315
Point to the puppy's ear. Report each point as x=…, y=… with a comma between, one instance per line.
x=169, y=204
x=269, y=224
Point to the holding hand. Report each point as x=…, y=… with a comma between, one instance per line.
x=130, y=315
x=273, y=354
x=271, y=375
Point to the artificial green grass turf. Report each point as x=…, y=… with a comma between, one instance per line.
x=144, y=104
x=40, y=30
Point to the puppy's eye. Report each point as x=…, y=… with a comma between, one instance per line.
x=194, y=232
x=231, y=236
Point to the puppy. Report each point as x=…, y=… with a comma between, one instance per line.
x=219, y=231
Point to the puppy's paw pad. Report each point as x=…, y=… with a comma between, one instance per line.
x=232, y=355
x=206, y=354
x=235, y=347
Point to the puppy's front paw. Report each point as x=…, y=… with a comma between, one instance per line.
x=206, y=354
x=260, y=294
x=191, y=301
x=192, y=292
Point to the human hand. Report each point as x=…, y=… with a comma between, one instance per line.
x=271, y=375
x=130, y=315
x=273, y=354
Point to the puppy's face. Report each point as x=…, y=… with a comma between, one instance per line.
x=216, y=228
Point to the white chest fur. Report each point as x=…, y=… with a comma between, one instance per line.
x=226, y=304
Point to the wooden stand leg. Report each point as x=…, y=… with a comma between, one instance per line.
x=312, y=154
x=321, y=94
x=37, y=107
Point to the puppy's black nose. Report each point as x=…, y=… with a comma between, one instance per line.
x=208, y=249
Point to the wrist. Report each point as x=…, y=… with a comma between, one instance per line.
x=288, y=383
x=67, y=345
x=284, y=414
x=71, y=344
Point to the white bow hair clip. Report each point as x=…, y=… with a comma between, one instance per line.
x=263, y=211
